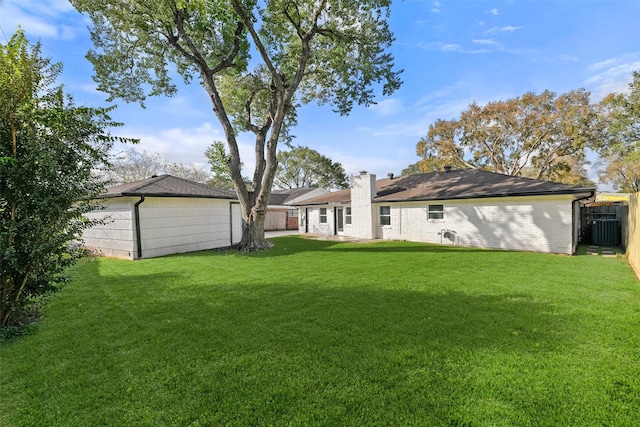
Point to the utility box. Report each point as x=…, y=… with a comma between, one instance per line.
x=605, y=232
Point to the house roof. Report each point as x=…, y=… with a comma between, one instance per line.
x=168, y=186
x=284, y=197
x=455, y=184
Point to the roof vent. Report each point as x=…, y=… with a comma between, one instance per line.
x=363, y=172
x=390, y=175
x=447, y=168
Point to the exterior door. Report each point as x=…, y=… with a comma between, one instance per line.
x=339, y=215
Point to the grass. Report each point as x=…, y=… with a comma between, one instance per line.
x=327, y=333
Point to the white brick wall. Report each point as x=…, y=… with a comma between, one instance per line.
x=541, y=224
x=315, y=227
x=364, y=219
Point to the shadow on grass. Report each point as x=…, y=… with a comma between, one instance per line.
x=291, y=245
x=282, y=353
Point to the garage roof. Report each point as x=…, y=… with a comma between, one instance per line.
x=168, y=186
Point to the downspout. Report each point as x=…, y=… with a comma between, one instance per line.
x=136, y=213
x=574, y=238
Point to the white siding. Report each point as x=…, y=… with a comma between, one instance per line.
x=541, y=224
x=116, y=237
x=176, y=225
x=236, y=223
x=167, y=226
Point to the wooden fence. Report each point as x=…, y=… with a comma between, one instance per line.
x=632, y=235
x=281, y=219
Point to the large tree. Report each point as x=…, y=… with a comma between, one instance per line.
x=48, y=151
x=255, y=60
x=539, y=136
x=620, y=154
x=303, y=167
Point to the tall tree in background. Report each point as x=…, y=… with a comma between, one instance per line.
x=619, y=163
x=538, y=136
x=332, y=51
x=412, y=169
x=48, y=150
x=132, y=165
x=304, y=167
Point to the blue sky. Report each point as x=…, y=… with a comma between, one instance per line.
x=452, y=53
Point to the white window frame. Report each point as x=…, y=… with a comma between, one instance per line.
x=323, y=216
x=435, y=212
x=347, y=216
x=386, y=216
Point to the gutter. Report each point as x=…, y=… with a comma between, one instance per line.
x=593, y=194
x=136, y=213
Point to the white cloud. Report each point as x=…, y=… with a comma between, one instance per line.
x=567, y=58
x=393, y=161
x=91, y=88
x=493, y=11
x=507, y=29
x=602, y=64
x=186, y=145
x=387, y=107
x=38, y=18
x=510, y=28
x=611, y=75
x=486, y=42
x=451, y=47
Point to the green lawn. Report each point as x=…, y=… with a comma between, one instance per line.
x=326, y=333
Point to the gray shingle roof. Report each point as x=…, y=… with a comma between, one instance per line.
x=456, y=184
x=282, y=197
x=168, y=186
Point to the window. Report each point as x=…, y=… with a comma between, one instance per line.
x=385, y=215
x=323, y=215
x=436, y=212
x=347, y=216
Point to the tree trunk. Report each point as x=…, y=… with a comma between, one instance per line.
x=253, y=231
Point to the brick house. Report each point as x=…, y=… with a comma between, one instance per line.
x=466, y=207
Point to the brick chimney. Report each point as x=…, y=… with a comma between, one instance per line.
x=363, y=189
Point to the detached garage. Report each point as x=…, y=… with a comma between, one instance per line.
x=163, y=215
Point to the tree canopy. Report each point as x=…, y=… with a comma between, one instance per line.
x=619, y=164
x=539, y=136
x=256, y=61
x=303, y=167
x=412, y=169
x=48, y=149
